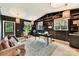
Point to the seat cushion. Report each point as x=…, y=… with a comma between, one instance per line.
x=1, y=47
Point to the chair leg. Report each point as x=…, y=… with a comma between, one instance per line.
x=35, y=37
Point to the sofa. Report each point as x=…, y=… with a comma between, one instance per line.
x=13, y=51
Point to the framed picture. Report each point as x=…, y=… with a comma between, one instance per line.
x=8, y=28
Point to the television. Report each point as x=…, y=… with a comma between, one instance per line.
x=61, y=24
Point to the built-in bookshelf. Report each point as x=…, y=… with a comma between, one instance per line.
x=48, y=19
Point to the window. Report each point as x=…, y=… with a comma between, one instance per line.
x=27, y=27
x=39, y=26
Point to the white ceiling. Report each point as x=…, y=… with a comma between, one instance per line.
x=31, y=11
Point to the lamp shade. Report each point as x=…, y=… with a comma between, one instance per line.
x=49, y=27
x=32, y=22
x=57, y=5
x=17, y=20
x=66, y=14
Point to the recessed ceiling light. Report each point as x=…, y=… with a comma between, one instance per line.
x=58, y=5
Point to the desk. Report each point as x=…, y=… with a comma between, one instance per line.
x=45, y=35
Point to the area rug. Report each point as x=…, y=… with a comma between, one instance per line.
x=39, y=48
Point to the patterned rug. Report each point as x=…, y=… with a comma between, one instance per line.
x=39, y=48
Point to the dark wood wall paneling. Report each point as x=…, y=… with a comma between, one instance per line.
x=6, y=18
x=19, y=26
x=0, y=26
x=74, y=16
x=63, y=35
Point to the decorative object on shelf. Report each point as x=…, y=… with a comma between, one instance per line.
x=76, y=22
x=46, y=32
x=59, y=15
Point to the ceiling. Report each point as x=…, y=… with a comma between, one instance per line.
x=31, y=11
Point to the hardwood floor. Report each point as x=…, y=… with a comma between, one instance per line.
x=65, y=46
x=62, y=49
